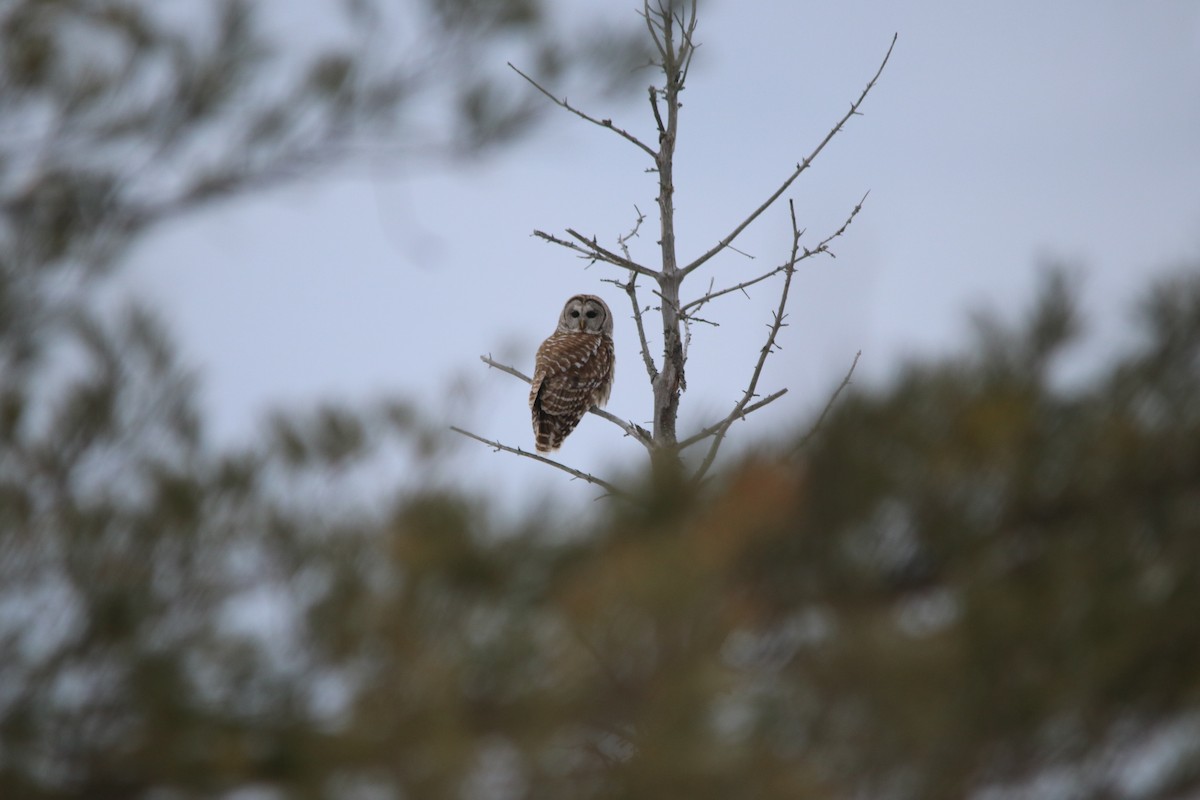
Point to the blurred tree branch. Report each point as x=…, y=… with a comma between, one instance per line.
x=129, y=550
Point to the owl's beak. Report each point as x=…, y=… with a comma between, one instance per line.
x=582, y=323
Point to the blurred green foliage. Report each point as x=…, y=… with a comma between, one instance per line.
x=974, y=581
x=969, y=583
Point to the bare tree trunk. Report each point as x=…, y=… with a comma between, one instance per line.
x=671, y=381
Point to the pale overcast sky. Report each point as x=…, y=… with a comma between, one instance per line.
x=1001, y=137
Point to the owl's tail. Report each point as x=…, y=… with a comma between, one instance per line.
x=549, y=430
x=543, y=436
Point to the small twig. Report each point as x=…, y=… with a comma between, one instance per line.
x=701, y=320
x=516, y=373
x=613, y=490
x=801, y=167
x=623, y=241
x=832, y=399
x=603, y=123
x=635, y=431
x=658, y=120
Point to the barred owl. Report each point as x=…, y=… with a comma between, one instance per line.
x=573, y=370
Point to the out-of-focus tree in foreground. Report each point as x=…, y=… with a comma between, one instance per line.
x=129, y=554
x=970, y=583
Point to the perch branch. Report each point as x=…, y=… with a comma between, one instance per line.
x=613, y=490
x=603, y=123
x=801, y=167
x=636, y=431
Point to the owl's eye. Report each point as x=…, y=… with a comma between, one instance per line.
x=591, y=314
x=575, y=313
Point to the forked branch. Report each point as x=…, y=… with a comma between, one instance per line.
x=800, y=168
x=822, y=247
x=777, y=323
x=604, y=254
x=630, y=289
x=661, y=24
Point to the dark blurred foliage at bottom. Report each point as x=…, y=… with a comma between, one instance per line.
x=975, y=582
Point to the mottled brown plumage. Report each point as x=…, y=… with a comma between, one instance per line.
x=573, y=371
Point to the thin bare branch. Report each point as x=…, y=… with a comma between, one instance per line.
x=604, y=254
x=584, y=476
x=603, y=123
x=716, y=427
x=550, y=237
x=832, y=399
x=630, y=289
x=623, y=241
x=658, y=120
x=801, y=167
x=516, y=373
x=595, y=252
x=688, y=46
x=699, y=302
x=654, y=30
x=777, y=324
x=631, y=429
x=822, y=247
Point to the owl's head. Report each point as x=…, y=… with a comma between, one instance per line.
x=587, y=313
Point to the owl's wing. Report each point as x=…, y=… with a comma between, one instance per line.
x=570, y=370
